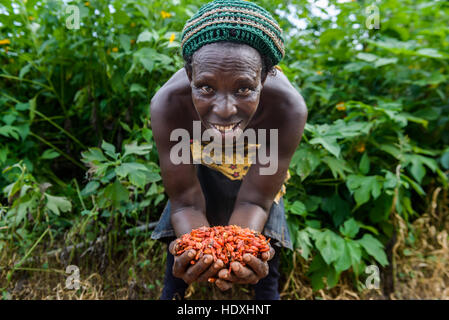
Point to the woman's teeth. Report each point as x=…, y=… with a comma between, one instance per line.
x=224, y=128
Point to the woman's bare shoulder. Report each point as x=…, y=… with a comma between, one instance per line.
x=177, y=84
x=278, y=90
x=175, y=93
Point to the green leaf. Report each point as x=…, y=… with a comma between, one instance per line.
x=133, y=148
x=116, y=193
x=58, y=204
x=306, y=161
x=90, y=188
x=94, y=155
x=367, y=57
x=418, y=171
x=32, y=103
x=363, y=187
x=430, y=113
x=332, y=277
x=374, y=248
x=10, y=131
x=24, y=70
x=384, y=61
x=381, y=208
x=304, y=243
x=22, y=106
x=317, y=271
x=298, y=208
x=445, y=160
x=330, y=245
x=145, y=36
x=50, y=154
x=109, y=150
x=329, y=143
x=147, y=134
x=338, y=167
x=125, y=42
x=135, y=87
x=350, y=228
x=312, y=203
x=338, y=209
x=430, y=53
x=351, y=255
x=364, y=165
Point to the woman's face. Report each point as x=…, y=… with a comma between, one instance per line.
x=226, y=86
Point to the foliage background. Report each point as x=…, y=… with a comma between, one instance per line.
x=79, y=162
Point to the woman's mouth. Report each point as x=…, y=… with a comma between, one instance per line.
x=226, y=128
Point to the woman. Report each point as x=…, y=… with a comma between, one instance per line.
x=229, y=84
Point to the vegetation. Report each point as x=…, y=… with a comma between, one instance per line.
x=79, y=162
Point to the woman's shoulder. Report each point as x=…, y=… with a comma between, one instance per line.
x=174, y=94
x=279, y=93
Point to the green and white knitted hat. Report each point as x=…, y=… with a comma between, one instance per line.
x=236, y=21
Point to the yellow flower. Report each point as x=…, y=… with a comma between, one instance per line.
x=172, y=37
x=31, y=18
x=133, y=41
x=360, y=148
x=133, y=24
x=115, y=49
x=5, y=41
x=319, y=73
x=341, y=106
x=87, y=3
x=165, y=14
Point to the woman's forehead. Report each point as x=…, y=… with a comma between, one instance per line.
x=223, y=58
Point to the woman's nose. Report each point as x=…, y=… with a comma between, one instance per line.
x=225, y=107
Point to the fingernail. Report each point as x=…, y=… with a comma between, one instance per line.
x=246, y=258
x=216, y=266
x=207, y=259
x=191, y=254
x=235, y=267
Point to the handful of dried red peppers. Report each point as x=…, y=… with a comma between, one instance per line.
x=228, y=243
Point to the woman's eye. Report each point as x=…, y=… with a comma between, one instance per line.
x=244, y=90
x=206, y=89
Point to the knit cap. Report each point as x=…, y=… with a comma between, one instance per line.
x=235, y=21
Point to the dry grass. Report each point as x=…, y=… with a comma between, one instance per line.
x=422, y=271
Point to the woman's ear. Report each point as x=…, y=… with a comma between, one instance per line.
x=264, y=78
x=189, y=73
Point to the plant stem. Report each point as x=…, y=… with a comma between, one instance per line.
x=59, y=150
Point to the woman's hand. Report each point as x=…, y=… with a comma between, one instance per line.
x=201, y=271
x=254, y=270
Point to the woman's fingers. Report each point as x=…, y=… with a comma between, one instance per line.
x=195, y=271
x=223, y=285
x=182, y=262
x=173, y=247
x=257, y=265
x=239, y=274
x=268, y=255
x=211, y=271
